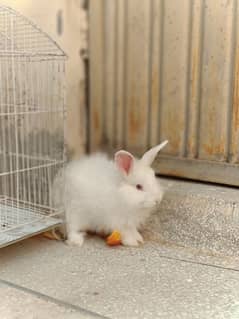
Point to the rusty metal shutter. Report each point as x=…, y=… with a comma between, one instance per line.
x=168, y=70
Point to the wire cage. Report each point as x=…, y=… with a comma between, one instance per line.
x=32, y=111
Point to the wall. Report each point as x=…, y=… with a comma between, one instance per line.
x=168, y=70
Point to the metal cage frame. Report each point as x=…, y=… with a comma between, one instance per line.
x=32, y=112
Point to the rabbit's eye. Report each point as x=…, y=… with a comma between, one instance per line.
x=139, y=187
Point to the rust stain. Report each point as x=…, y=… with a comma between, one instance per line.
x=155, y=91
x=175, y=127
x=195, y=63
x=191, y=145
x=134, y=124
x=235, y=106
x=212, y=149
x=236, y=95
x=216, y=144
x=174, y=144
x=96, y=120
x=236, y=115
x=173, y=172
x=134, y=117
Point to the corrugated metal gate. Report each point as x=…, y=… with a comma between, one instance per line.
x=168, y=70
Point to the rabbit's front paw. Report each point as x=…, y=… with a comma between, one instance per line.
x=132, y=239
x=76, y=239
x=139, y=237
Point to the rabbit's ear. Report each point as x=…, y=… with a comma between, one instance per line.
x=124, y=161
x=150, y=155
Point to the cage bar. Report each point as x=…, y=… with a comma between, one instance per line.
x=32, y=111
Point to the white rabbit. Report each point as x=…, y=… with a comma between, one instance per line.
x=102, y=196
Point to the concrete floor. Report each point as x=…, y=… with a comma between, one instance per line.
x=188, y=268
x=41, y=278
x=198, y=215
x=16, y=303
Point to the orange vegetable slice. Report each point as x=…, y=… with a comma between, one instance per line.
x=114, y=239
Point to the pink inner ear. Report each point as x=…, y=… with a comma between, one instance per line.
x=124, y=161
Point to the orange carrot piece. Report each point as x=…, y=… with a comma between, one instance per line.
x=114, y=239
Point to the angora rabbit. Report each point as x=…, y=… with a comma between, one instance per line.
x=100, y=195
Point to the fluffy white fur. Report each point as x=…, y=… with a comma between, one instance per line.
x=101, y=195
